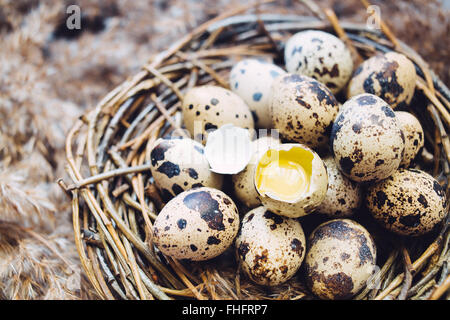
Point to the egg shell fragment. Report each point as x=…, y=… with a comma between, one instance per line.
x=410, y=202
x=414, y=136
x=343, y=196
x=366, y=139
x=271, y=248
x=178, y=165
x=309, y=200
x=302, y=109
x=209, y=107
x=341, y=257
x=198, y=224
x=251, y=79
x=390, y=76
x=244, y=181
x=319, y=55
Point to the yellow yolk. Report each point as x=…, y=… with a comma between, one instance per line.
x=284, y=174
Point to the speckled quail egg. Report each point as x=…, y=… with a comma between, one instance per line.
x=390, y=76
x=251, y=80
x=209, y=107
x=291, y=180
x=343, y=195
x=198, y=224
x=366, y=139
x=180, y=164
x=270, y=248
x=244, y=181
x=414, y=137
x=302, y=109
x=410, y=202
x=319, y=55
x=340, y=258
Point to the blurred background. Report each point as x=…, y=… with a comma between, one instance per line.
x=50, y=76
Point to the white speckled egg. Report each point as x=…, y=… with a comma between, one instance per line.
x=291, y=180
x=343, y=195
x=410, y=202
x=244, y=181
x=366, y=139
x=271, y=248
x=180, y=164
x=209, y=107
x=414, y=136
x=302, y=109
x=390, y=76
x=251, y=79
x=198, y=224
x=319, y=55
x=341, y=257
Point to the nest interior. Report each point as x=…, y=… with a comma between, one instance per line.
x=114, y=201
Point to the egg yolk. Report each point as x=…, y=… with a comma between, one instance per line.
x=284, y=175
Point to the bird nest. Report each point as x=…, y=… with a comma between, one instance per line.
x=114, y=201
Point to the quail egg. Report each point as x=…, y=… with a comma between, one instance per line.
x=414, y=137
x=343, y=195
x=244, y=181
x=198, y=224
x=180, y=164
x=271, y=248
x=410, y=202
x=209, y=107
x=302, y=109
x=340, y=258
x=291, y=180
x=390, y=76
x=366, y=139
x=251, y=80
x=319, y=55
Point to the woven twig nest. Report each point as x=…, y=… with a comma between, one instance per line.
x=114, y=201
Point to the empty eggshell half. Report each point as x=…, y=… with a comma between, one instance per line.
x=228, y=149
x=291, y=180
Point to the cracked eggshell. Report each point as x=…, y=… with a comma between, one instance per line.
x=271, y=248
x=390, y=76
x=302, y=109
x=198, y=224
x=228, y=149
x=209, y=107
x=366, y=139
x=251, y=80
x=414, y=136
x=244, y=181
x=178, y=165
x=319, y=55
x=343, y=195
x=341, y=257
x=410, y=202
x=308, y=201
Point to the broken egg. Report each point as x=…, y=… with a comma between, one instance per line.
x=271, y=248
x=291, y=180
x=228, y=149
